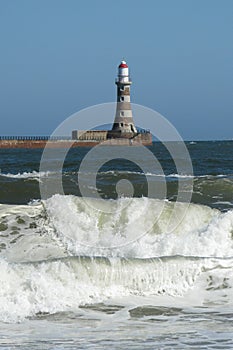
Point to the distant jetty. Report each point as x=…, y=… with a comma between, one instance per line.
x=87, y=140
x=123, y=132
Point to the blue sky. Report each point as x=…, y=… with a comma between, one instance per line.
x=59, y=56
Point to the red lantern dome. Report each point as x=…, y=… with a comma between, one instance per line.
x=123, y=65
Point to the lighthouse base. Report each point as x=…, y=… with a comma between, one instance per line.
x=144, y=138
x=114, y=137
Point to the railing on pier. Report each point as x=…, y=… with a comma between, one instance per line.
x=35, y=138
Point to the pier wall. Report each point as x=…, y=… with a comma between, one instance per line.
x=90, y=140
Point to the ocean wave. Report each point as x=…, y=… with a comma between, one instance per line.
x=65, y=252
x=27, y=175
x=172, y=175
x=41, y=174
x=125, y=172
x=139, y=227
x=66, y=284
x=126, y=227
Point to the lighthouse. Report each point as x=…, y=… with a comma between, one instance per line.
x=123, y=131
x=123, y=125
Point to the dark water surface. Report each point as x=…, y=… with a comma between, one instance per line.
x=212, y=169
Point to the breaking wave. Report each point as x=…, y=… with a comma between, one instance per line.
x=27, y=175
x=62, y=253
x=66, y=284
x=131, y=228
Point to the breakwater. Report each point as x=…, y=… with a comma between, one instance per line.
x=67, y=142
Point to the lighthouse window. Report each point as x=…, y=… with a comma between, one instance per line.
x=122, y=98
x=122, y=114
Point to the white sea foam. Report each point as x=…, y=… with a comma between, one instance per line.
x=127, y=227
x=133, y=230
x=172, y=175
x=27, y=175
x=37, y=175
x=182, y=176
x=114, y=173
x=64, y=285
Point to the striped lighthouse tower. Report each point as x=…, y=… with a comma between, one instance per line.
x=123, y=123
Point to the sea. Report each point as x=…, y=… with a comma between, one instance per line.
x=109, y=263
